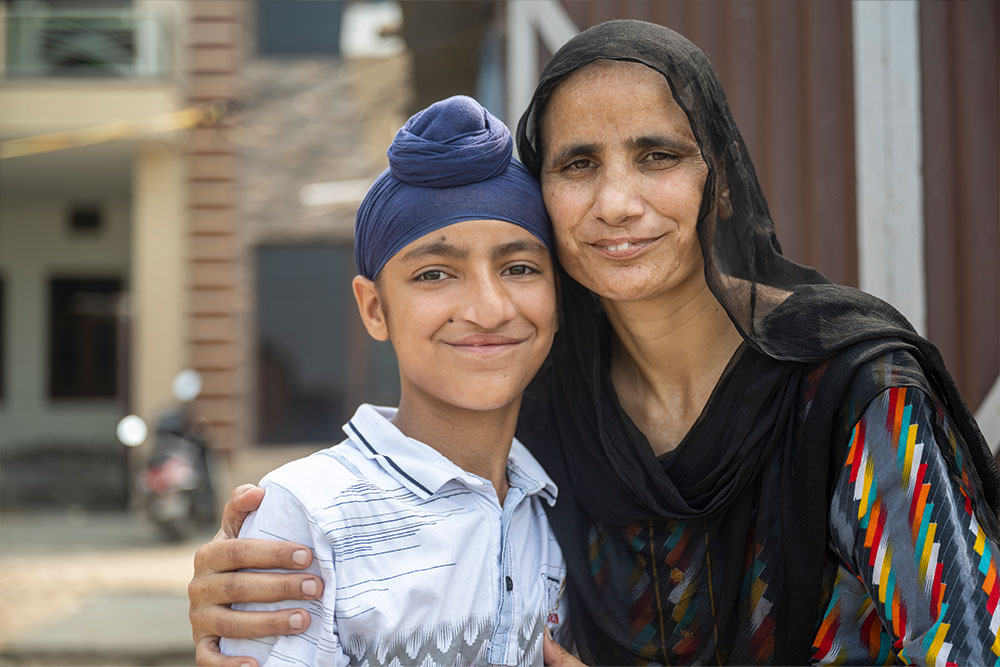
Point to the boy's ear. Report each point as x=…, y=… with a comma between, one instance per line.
x=370, y=307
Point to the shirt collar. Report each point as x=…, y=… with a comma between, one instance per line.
x=424, y=470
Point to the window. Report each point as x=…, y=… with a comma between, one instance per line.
x=315, y=361
x=299, y=27
x=70, y=38
x=84, y=339
x=85, y=220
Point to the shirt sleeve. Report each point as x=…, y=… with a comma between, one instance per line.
x=918, y=580
x=282, y=517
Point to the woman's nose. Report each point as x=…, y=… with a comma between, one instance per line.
x=618, y=200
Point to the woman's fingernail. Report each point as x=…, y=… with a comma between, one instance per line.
x=295, y=620
x=299, y=556
x=309, y=587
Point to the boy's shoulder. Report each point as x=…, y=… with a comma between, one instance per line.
x=324, y=475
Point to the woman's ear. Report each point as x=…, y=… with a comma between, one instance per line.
x=371, y=308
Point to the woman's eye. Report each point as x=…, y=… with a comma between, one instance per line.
x=433, y=275
x=659, y=156
x=579, y=165
x=520, y=270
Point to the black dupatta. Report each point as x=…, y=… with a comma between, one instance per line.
x=757, y=459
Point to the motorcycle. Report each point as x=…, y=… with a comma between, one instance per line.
x=177, y=478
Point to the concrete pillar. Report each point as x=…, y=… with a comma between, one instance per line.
x=888, y=149
x=157, y=295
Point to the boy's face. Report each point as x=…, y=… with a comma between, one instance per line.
x=470, y=310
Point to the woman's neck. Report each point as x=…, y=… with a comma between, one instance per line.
x=667, y=356
x=476, y=441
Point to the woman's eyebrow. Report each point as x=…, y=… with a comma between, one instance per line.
x=532, y=246
x=435, y=249
x=661, y=141
x=571, y=152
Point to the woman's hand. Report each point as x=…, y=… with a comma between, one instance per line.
x=556, y=655
x=216, y=584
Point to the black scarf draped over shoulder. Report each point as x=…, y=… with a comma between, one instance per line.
x=794, y=322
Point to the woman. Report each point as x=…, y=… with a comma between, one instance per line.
x=755, y=466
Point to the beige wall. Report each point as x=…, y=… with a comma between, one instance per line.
x=36, y=246
x=37, y=107
x=158, y=300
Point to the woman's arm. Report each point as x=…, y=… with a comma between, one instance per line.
x=282, y=515
x=922, y=584
x=217, y=584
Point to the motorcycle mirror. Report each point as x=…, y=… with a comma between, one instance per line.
x=187, y=385
x=132, y=431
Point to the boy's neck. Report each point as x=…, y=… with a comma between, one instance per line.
x=475, y=440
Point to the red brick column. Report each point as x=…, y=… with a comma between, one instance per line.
x=215, y=324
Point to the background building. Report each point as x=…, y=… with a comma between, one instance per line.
x=215, y=230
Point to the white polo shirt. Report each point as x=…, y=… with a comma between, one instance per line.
x=421, y=564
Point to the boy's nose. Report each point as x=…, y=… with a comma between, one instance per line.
x=489, y=304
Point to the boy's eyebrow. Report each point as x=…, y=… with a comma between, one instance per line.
x=435, y=249
x=501, y=251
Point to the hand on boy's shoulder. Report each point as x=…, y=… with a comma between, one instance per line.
x=555, y=655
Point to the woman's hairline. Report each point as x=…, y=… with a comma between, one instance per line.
x=538, y=106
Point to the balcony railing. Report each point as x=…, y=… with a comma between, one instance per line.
x=86, y=43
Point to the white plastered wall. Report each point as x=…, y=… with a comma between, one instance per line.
x=34, y=247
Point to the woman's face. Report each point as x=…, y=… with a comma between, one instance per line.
x=622, y=178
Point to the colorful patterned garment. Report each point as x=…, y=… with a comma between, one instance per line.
x=918, y=577
x=910, y=574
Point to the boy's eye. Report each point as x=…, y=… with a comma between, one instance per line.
x=520, y=270
x=431, y=276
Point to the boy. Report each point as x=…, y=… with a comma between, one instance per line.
x=427, y=522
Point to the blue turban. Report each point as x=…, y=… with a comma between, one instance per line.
x=451, y=162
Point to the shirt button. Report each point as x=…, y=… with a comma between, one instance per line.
x=510, y=584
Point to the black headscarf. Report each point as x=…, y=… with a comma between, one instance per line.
x=794, y=323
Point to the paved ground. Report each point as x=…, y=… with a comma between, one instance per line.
x=92, y=589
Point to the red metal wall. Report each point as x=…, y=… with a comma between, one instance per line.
x=961, y=111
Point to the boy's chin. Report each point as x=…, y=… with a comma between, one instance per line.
x=484, y=402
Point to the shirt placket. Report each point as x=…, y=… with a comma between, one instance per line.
x=503, y=646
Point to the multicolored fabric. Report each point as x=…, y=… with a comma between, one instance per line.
x=910, y=576
x=917, y=581
x=670, y=604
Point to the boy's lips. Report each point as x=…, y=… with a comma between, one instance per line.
x=485, y=344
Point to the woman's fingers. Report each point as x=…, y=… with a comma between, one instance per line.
x=554, y=654
x=244, y=499
x=207, y=654
x=229, y=587
x=227, y=555
x=224, y=622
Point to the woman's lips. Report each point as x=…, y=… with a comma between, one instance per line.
x=623, y=248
